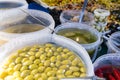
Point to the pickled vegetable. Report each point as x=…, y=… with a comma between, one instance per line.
x=43, y=62
x=79, y=35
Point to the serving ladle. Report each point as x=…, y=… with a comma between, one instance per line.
x=83, y=10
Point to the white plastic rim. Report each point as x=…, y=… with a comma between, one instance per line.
x=45, y=16
x=10, y=36
x=22, y=1
x=111, y=42
x=29, y=40
x=5, y=14
x=103, y=60
x=82, y=26
x=102, y=12
x=48, y=29
x=76, y=12
x=19, y=1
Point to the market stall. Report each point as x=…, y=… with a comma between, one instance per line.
x=60, y=40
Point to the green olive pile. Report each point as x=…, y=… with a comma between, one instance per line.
x=42, y=62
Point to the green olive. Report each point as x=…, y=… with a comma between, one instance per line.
x=17, y=67
x=68, y=73
x=18, y=60
x=16, y=74
x=37, y=76
x=43, y=62
x=34, y=71
x=37, y=61
x=33, y=66
x=74, y=68
x=29, y=77
x=25, y=73
x=24, y=68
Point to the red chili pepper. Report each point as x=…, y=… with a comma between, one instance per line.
x=116, y=74
x=110, y=77
x=99, y=73
x=119, y=72
x=104, y=68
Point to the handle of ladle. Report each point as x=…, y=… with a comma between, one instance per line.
x=83, y=10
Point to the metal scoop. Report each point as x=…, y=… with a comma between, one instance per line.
x=83, y=10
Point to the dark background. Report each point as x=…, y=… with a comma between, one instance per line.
x=29, y=1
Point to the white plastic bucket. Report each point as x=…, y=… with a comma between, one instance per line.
x=74, y=14
x=9, y=8
x=113, y=43
x=89, y=47
x=29, y=40
x=107, y=59
x=42, y=16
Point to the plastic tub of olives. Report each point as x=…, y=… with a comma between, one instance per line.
x=39, y=57
x=83, y=34
x=9, y=8
x=28, y=25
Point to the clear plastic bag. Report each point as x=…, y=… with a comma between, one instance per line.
x=29, y=40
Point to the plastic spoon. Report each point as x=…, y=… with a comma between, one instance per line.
x=83, y=10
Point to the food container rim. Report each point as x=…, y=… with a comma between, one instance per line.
x=16, y=1
x=106, y=57
x=18, y=42
x=110, y=41
x=76, y=12
x=59, y=27
x=3, y=35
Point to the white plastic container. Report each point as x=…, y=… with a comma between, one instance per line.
x=113, y=43
x=42, y=16
x=100, y=19
x=106, y=60
x=29, y=40
x=73, y=16
x=91, y=47
x=9, y=8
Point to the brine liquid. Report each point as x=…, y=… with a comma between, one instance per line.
x=24, y=28
x=79, y=35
